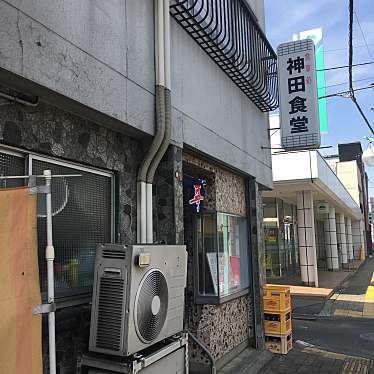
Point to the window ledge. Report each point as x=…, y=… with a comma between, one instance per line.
x=218, y=300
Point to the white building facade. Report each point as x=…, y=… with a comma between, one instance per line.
x=311, y=221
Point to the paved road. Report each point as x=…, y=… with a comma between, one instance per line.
x=340, y=333
x=350, y=336
x=312, y=360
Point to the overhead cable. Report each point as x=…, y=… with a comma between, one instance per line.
x=363, y=36
x=346, y=66
x=351, y=90
x=355, y=81
x=346, y=94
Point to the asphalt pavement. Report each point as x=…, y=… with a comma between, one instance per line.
x=351, y=336
x=334, y=335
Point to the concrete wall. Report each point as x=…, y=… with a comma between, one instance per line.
x=100, y=54
x=259, y=11
x=348, y=173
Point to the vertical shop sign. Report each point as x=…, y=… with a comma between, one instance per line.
x=197, y=194
x=317, y=36
x=299, y=118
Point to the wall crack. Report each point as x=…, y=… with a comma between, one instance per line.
x=20, y=41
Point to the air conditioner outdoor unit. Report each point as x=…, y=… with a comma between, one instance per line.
x=138, y=296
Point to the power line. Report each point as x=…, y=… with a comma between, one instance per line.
x=362, y=114
x=346, y=94
x=351, y=90
x=363, y=35
x=342, y=83
x=346, y=66
x=344, y=49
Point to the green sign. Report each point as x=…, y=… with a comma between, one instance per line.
x=316, y=36
x=320, y=64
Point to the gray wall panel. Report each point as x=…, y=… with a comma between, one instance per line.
x=101, y=54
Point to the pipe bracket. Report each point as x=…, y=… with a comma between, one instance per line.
x=44, y=308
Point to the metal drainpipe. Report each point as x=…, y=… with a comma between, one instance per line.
x=144, y=213
x=167, y=120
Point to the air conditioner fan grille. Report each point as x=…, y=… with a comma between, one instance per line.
x=151, y=305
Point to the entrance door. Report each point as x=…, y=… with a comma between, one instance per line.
x=289, y=248
x=289, y=258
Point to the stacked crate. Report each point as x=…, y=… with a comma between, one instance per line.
x=277, y=318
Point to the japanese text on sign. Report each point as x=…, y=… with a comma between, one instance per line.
x=298, y=95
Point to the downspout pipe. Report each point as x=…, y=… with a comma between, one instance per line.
x=144, y=205
x=166, y=115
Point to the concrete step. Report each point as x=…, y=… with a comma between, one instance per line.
x=250, y=361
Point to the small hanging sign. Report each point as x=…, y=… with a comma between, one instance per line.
x=197, y=194
x=323, y=207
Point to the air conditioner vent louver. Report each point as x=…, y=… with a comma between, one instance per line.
x=135, y=307
x=151, y=305
x=110, y=313
x=112, y=253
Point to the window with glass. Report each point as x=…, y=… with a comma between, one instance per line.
x=82, y=210
x=280, y=234
x=271, y=237
x=221, y=257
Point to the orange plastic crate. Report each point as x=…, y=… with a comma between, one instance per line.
x=277, y=298
x=278, y=322
x=281, y=344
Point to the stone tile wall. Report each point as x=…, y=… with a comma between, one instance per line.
x=49, y=130
x=53, y=132
x=220, y=327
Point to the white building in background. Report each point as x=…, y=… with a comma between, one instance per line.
x=311, y=220
x=371, y=215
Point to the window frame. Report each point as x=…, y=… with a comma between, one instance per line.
x=79, y=295
x=14, y=153
x=216, y=299
x=69, y=297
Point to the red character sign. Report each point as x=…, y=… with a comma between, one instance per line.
x=197, y=198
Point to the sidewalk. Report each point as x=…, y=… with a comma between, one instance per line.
x=310, y=360
x=335, y=350
x=341, y=344
x=309, y=301
x=328, y=281
x=355, y=298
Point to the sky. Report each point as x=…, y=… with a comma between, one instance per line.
x=286, y=17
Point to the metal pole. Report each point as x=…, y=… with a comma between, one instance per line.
x=143, y=212
x=50, y=256
x=149, y=217
x=213, y=369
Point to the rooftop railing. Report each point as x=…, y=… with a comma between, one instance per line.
x=228, y=32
